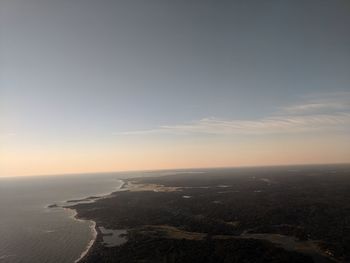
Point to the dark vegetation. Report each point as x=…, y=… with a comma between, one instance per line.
x=189, y=251
x=308, y=203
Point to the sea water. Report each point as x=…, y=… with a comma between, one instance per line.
x=30, y=232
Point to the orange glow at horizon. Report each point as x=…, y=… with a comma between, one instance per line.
x=169, y=155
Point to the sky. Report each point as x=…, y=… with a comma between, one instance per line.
x=114, y=85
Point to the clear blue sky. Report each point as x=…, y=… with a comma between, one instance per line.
x=116, y=82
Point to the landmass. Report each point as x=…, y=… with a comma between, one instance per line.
x=90, y=198
x=279, y=214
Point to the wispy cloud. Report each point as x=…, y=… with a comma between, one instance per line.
x=326, y=103
x=316, y=107
x=314, y=115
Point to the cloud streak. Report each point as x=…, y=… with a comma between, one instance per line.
x=315, y=115
x=332, y=102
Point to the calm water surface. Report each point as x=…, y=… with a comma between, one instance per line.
x=30, y=232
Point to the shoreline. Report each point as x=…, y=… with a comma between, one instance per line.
x=94, y=230
x=91, y=243
x=93, y=225
x=126, y=185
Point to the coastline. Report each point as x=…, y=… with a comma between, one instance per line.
x=93, y=225
x=93, y=229
x=126, y=185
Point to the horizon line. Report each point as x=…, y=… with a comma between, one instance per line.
x=177, y=169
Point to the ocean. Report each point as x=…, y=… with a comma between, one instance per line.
x=30, y=232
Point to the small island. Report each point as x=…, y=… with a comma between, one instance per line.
x=52, y=206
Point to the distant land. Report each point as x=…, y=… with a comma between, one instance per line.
x=260, y=214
